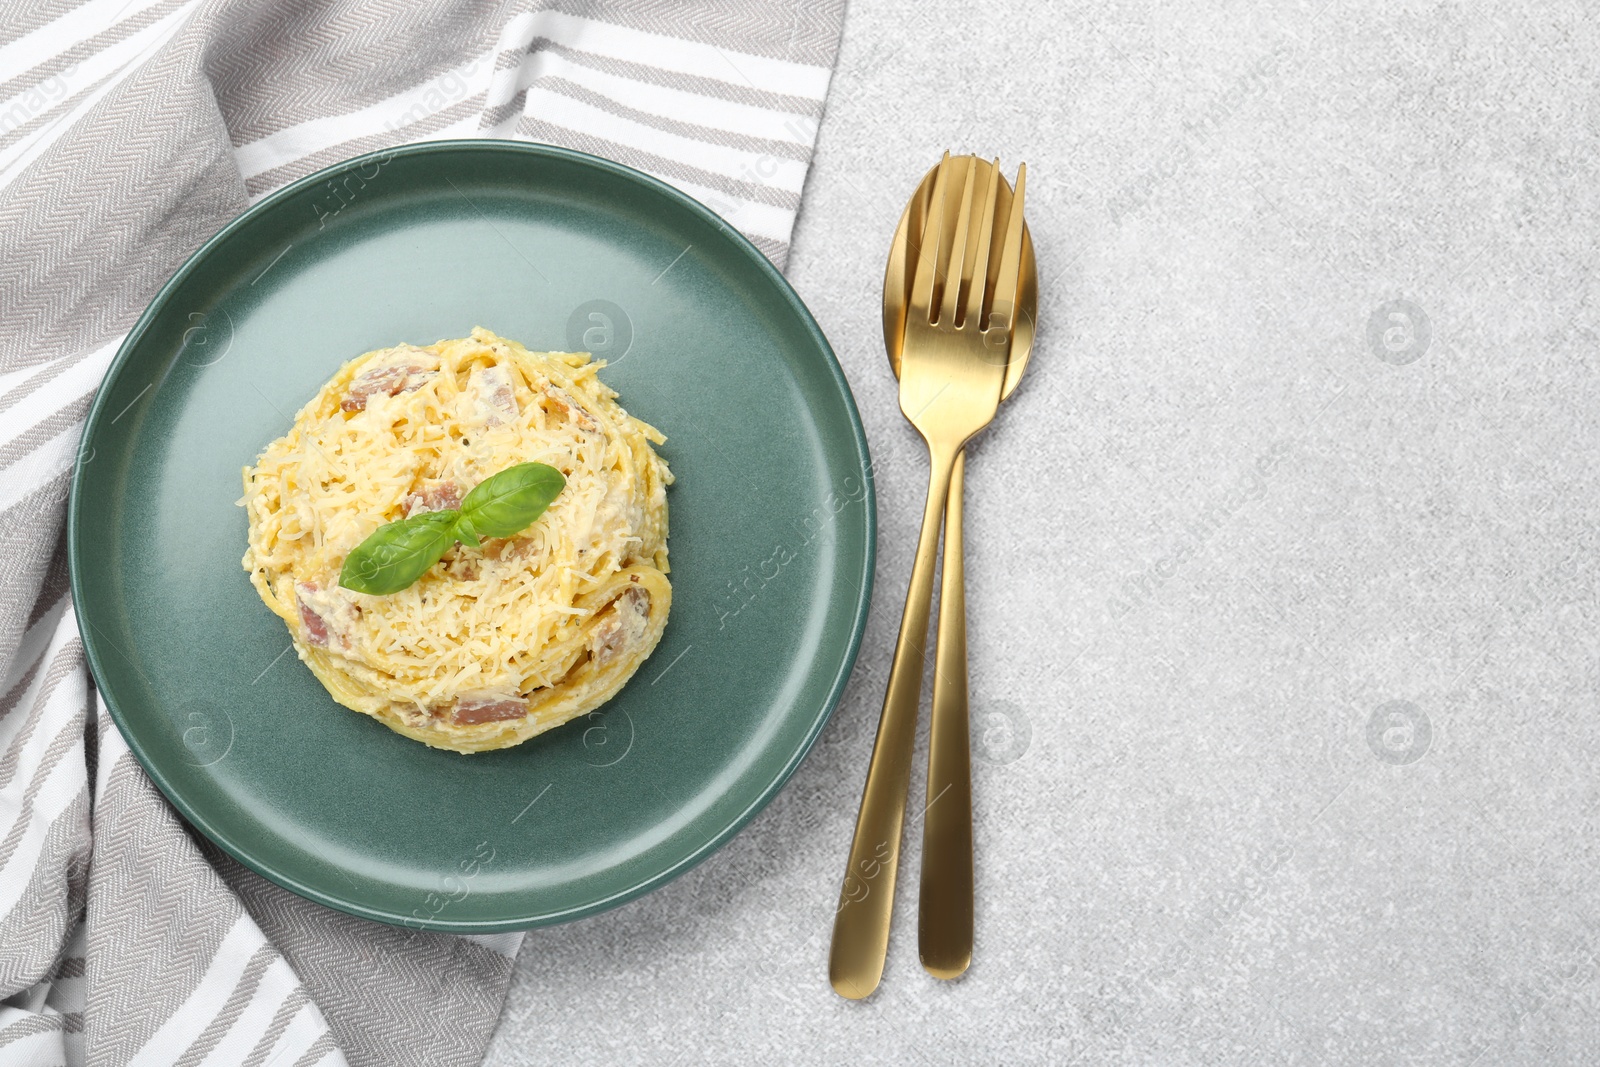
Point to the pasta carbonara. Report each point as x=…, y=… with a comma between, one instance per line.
x=498, y=642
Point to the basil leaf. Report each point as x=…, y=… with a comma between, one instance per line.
x=398, y=553
x=465, y=533
x=505, y=504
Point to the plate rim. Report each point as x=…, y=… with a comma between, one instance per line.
x=87, y=630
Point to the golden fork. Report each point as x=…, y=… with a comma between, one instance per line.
x=951, y=378
x=944, y=913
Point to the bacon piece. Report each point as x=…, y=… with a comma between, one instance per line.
x=402, y=371
x=440, y=497
x=316, y=627
x=328, y=614
x=473, y=711
x=562, y=401
x=508, y=548
x=623, y=627
x=493, y=397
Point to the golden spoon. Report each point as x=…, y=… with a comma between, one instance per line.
x=944, y=917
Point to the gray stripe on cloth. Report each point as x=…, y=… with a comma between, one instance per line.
x=164, y=940
x=500, y=113
x=372, y=142
x=317, y=1052
x=708, y=134
x=8, y=700
x=287, y=63
x=231, y=1009
x=50, y=66
x=734, y=92
x=23, y=19
x=403, y=964
x=11, y=133
x=24, y=558
x=69, y=736
x=31, y=1026
x=34, y=930
x=68, y=662
x=39, y=379
x=550, y=133
x=91, y=229
x=57, y=579
x=45, y=429
x=280, y=1022
x=777, y=251
x=801, y=31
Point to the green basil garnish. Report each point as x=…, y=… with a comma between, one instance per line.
x=505, y=504
x=502, y=505
x=398, y=553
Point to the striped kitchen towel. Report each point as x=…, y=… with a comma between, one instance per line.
x=130, y=130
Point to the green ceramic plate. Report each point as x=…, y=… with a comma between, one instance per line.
x=772, y=534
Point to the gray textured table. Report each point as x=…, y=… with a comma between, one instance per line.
x=1281, y=564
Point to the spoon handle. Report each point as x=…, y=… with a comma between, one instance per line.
x=944, y=914
x=866, y=899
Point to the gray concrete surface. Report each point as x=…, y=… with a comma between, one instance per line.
x=1282, y=564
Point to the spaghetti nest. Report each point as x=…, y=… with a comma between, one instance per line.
x=498, y=642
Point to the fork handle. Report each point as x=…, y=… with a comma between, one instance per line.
x=944, y=913
x=866, y=899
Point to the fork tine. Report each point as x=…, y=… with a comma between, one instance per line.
x=980, y=258
x=1004, y=312
x=958, y=250
x=928, y=253
x=963, y=282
